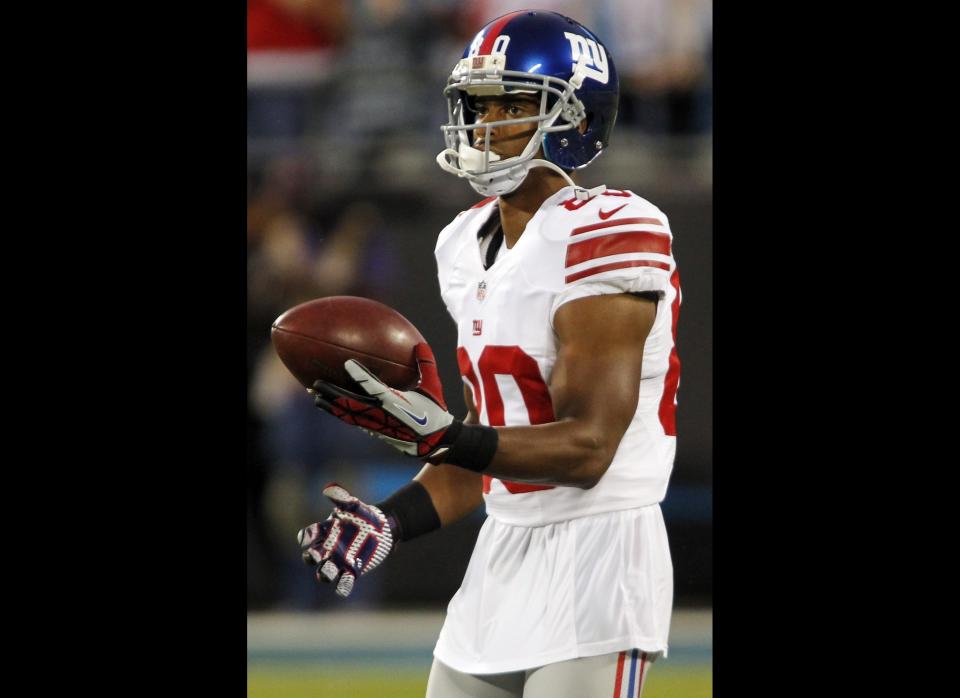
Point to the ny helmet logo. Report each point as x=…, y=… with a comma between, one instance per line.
x=594, y=57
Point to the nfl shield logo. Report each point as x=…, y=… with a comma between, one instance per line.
x=481, y=290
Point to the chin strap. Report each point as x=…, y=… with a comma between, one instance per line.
x=496, y=183
x=487, y=188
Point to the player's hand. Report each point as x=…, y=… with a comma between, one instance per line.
x=414, y=422
x=353, y=540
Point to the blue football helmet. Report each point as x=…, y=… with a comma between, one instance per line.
x=533, y=52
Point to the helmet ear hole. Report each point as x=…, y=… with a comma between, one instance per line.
x=585, y=124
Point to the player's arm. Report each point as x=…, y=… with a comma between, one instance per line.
x=455, y=492
x=595, y=386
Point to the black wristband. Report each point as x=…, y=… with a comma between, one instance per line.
x=471, y=446
x=410, y=512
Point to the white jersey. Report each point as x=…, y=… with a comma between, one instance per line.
x=530, y=596
x=616, y=242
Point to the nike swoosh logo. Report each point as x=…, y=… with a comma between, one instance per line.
x=422, y=421
x=605, y=216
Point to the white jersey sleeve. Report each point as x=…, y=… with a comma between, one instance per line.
x=619, y=243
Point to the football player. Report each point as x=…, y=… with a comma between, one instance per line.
x=566, y=303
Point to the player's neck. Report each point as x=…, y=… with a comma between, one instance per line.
x=519, y=206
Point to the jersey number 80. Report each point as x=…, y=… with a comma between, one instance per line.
x=507, y=361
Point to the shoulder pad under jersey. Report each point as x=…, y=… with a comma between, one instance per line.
x=615, y=237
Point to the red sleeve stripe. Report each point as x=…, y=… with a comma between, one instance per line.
x=616, y=265
x=618, y=243
x=494, y=32
x=614, y=222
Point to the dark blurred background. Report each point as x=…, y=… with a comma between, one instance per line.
x=344, y=109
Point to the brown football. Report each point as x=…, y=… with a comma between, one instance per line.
x=315, y=338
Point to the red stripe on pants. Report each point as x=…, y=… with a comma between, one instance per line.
x=616, y=687
x=643, y=659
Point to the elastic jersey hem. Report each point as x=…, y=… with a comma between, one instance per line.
x=523, y=664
